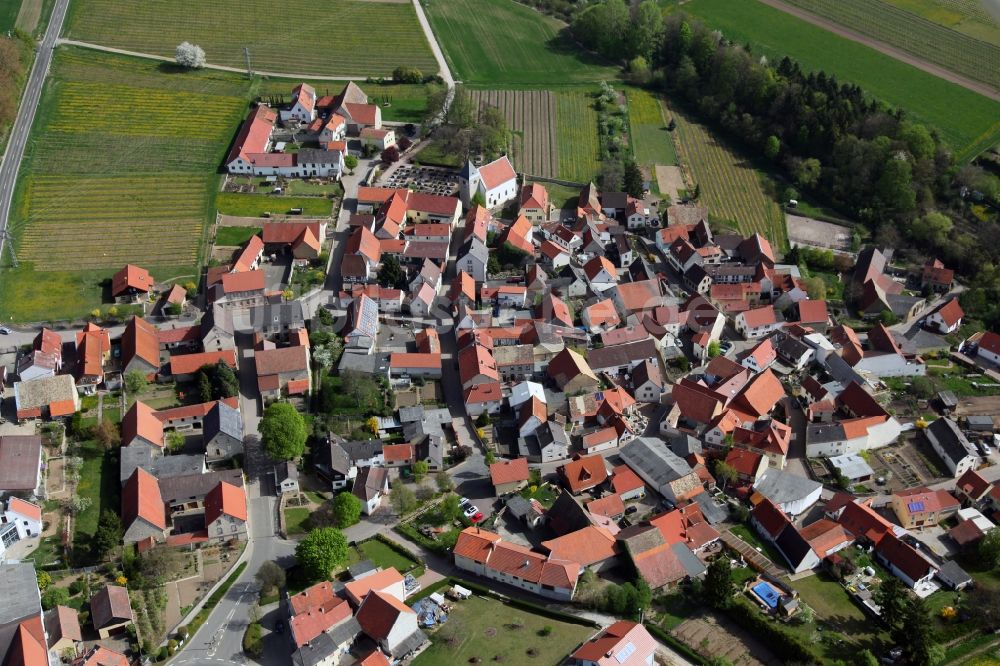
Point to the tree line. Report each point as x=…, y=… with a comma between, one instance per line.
x=830, y=138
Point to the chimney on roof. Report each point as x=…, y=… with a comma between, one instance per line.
x=527, y=563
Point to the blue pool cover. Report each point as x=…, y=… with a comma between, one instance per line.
x=767, y=593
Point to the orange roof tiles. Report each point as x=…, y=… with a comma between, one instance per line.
x=813, y=312
x=624, y=479
x=762, y=316
x=497, y=172
x=604, y=648
x=320, y=594
x=394, y=453
x=248, y=255
x=140, y=339
x=131, y=277
x=609, y=506
x=414, y=360
x=363, y=242
x=141, y=498
x=233, y=283
x=475, y=544
x=825, y=536
x=951, y=312
x=380, y=580
x=225, y=500
x=509, y=471
x=378, y=614
x=534, y=195
x=585, y=546
x=141, y=421
x=482, y=393
x=761, y=394
x=307, y=625
x=598, y=437
x=25, y=508
x=187, y=364
x=254, y=135
x=583, y=473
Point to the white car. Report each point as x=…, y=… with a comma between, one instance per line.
x=464, y=502
x=4, y=330
x=471, y=510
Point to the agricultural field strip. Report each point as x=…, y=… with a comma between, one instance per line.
x=731, y=192
x=967, y=121
x=164, y=212
x=321, y=45
x=531, y=114
x=576, y=123
x=949, y=48
x=650, y=142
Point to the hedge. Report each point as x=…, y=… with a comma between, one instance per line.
x=782, y=643
x=418, y=538
x=678, y=646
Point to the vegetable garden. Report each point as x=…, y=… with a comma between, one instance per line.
x=349, y=37
x=729, y=188
x=531, y=115
x=962, y=54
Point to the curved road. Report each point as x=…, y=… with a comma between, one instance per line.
x=26, y=113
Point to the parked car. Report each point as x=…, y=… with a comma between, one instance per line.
x=470, y=511
x=4, y=330
x=464, y=502
x=631, y=509
x=476, y=518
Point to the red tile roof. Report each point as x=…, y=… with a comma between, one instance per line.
x=102, y=656
x=414, y=360
x=990, y=342
x=608, y=506
x=187, y=364
x=509, y=471
x=281, y=360
x=141, y=499
x=583, y=473
x=225, y=500
x=363, y=114
x=141, y=421
x=381, y=581
x=248, y=255
x=140, y=339
x=61, y=408
x=861, y=520
x=972, y=484
x=746, y=463
x=598, y=437
x=904, y=557
x=762, y=316
x=624, y=479
x=318, y=595
x=25, y=508
x=951, y=312
x=475, y=544
x=611, y=646
x=770, y=517
x=476, y=360
x=254, y=135
x=825, y=536
x=131, y=277
x=363, y=242
x=534, y=195
x=234, y=283
x=379, y=613
x=593, y=268
x=286, y=233
x=308, y=625
x=761, y=394
x=497, y=172
x=482, y=393
x=813, y=312
x=585, y=546
x=397, y=453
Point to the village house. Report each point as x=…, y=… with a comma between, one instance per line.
x=535, y=204
x=950, y=443
x=509, y=476
x=131, y=284
x=46, y=397
x=916, y=508
x=283, y=370
x=371, y=486
x=946, y=318
x=44, y=359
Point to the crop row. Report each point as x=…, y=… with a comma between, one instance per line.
x=949, y=48
x=74, y=153
x=729, y=190
x=576, y=123
x=381, y=35
x=531, y=114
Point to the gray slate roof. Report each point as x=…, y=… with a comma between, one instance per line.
x=162, y=467
x=949, y=439
x=277, y=316
x=655, y=459
x=784, y=487
x=20, y=592
x=223, y=419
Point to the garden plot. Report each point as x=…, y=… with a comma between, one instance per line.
x=531, y=115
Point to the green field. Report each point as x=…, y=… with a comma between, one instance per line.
x=731, y=188
x=651, y=143
x=255, y=205
x=233, y=236
x=8, y=14
x=958, y=52
x=968, y=122
x=121, y=168
x=576, y=131
x=99, y=483
x=502, y=43
x=965, y=16
x=337, y=37
x=487, y=630
x=407, y=102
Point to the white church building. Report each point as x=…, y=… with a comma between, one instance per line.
x=496, y=181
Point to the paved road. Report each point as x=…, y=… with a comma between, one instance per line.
x=26, y=113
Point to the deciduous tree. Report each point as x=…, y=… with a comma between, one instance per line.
x=402, y=499
x=190, y=55
x=270, y=576
x=346, y=509
x=320, y=552
x=283, y=432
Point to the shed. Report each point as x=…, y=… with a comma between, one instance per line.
x=954, y=576
x=853, y=467
x=979, y=423
x=948, y=400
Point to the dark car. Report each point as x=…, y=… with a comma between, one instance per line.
x=630, y=510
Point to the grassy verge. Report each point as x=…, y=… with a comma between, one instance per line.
x=256, y=205
x=98, y=483
x=232, y=236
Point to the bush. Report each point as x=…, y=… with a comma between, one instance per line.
x=55, y=596
x=253, y=640
x=545, y=631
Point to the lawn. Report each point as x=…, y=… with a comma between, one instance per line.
x=501, y=42
x=953, y=50
x=967, y=121
x=337, y=37
x=651, y=142
x=545, y=494
x=485, y=629
x=751, y=537
x=8, y=14
x=295, y=518
x=255, y=205
x=829, y=599
x=99, y=483
x=562, y=196
x=121, y=167
x=233, y=236
x=576, y=131
x=730, y=187
x=401, y=102
x=384, y=556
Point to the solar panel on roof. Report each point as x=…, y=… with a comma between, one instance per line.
x=915, y=507
x=625, y=653
x=599, y=396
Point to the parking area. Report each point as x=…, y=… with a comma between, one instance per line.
x=815, y=233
